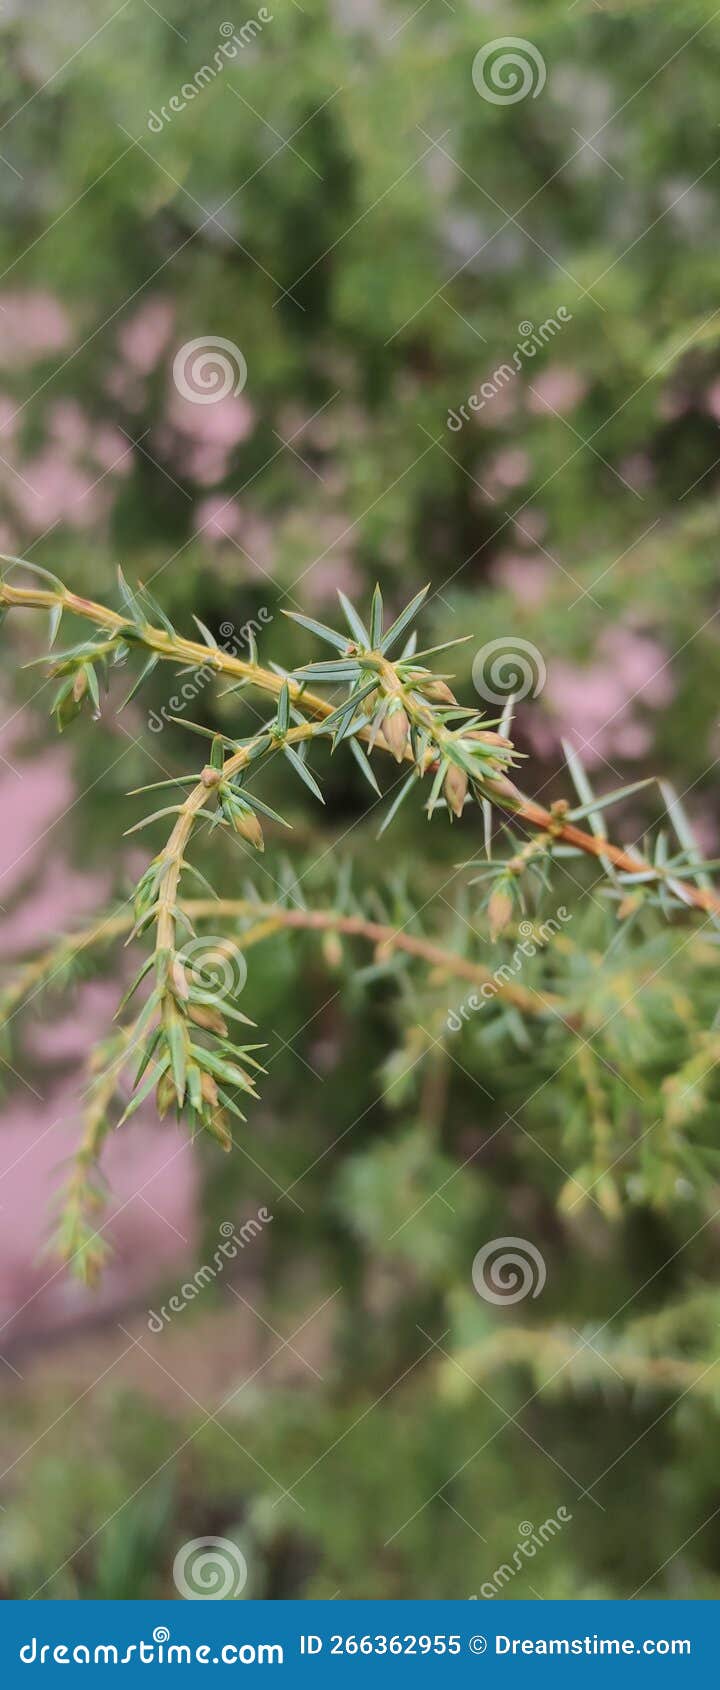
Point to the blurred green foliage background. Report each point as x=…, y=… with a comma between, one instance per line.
x=374, y=236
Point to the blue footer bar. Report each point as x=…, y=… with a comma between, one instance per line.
x=460, y=1643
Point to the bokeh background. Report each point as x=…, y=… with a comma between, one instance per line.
x=374, y=235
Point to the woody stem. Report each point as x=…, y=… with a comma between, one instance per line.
x=174, y=648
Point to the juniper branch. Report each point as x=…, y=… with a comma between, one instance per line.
x=550, y=822
x=268, y=918
x=556, y=1353
x=186, y=1050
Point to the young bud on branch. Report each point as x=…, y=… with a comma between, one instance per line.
x=178, y=978
x=503, y=788
x=247, y=825
x=210, y=1019
x=218, y=1126
x=165, y=1095
x=209, y=1089
x=439, y=692
x=499, y=911
x=395, y=731
x=487, y=736
x=455, y=789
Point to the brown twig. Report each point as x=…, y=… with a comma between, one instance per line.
x=274, y=918
x=176, y=649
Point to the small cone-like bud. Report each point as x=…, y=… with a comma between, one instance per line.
x=79, y=686
x=91, y=1270
x=439, y=692
x=608, y=1197
x=178, y=979
x=499, y=911
x=210, y=776
x=165, y=1095
x=503, y=787
x=395, y=731
x=628, y=905
x=209, y=1089
x=489, y=737
x=66, y=710
x=247, y=825
x=574, y=1194
x=332, y=950
x=217, y=1124
x=455, y=789
x=205, y=1016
